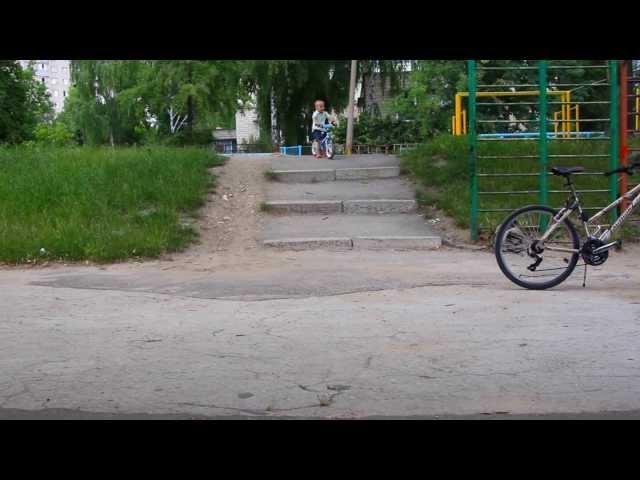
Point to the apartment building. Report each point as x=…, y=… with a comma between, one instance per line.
x=55, y=75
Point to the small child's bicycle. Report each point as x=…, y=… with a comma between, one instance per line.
x=538, y=247
x=326, y=144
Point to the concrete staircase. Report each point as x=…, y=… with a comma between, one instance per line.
x=359, y=201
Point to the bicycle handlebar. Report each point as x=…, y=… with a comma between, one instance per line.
x=629, y=169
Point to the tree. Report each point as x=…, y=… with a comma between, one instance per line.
x=106, y=100
x=24, y=102
x=126, y=101
x=429, y=98
x=187, y=95
x=284, y=90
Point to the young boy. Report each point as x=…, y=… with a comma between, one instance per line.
x=318, y=121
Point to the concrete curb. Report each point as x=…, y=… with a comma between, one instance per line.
x=349, y=207
x=305, y=206
x=330, y=175
x=366, y=172
x=400, y=243
x=305, y=176
x=362, y=243
x=378, y=206
x=340, y=243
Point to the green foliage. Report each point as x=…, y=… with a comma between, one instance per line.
x=121, y=102
x=441, y=168
x=55, y=134
x=98, y=204
x=429, y=97
x=24, y=102
x=291, y=86
x=376, y=130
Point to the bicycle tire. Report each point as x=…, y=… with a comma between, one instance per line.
x=329, y=150
x=500, y=234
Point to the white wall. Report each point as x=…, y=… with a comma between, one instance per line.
x=57, y=78
x=247, y=129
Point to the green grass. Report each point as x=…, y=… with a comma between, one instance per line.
x=265, y=207
x=441, y=167
x=99, y=204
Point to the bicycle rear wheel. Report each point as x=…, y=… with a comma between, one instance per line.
x=527, y=263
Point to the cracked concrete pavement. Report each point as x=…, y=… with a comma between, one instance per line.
x=318, y=335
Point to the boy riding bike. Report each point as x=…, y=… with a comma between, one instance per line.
x=318, y=130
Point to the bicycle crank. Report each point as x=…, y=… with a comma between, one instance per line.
x=595, y=252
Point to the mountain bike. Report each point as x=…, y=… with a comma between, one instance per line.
x=538, y=247
x=326, y=144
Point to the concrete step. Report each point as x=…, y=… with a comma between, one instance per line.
x=378, y=206
x=357, y=243
x=329, y=175
x=308, y=162
x=403, y=232
x=398, y=188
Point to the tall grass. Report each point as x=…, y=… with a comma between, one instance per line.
x=441, y=166
x=98, y=204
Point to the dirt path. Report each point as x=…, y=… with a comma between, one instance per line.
x=231, y=220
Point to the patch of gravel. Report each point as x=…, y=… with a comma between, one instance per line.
x=231, y=219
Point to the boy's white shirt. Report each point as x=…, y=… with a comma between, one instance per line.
x=318, y=119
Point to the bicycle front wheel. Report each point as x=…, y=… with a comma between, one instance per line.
x=329, y=149
x=527, y=262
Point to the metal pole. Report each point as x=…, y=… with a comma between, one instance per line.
x=614, y=133
x=543, y=141
x=473, y=179
x=352, y=93
x=624, y=120
x=458, y=114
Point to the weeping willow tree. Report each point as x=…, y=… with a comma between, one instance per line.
x=122, y=101
x=184, y=95
x=285, y=90
x=105, y=101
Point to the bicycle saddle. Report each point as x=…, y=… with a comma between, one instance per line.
x=566, y=171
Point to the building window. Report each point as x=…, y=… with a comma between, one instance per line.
x=64, y=93
x=42, y=79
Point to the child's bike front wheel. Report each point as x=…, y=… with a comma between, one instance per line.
x=525, y=260
x=330, y=150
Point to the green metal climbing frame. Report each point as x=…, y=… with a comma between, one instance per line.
x=510, y=169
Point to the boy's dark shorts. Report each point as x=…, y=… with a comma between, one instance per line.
x=318, y=135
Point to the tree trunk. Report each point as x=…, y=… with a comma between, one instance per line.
x=190, y=109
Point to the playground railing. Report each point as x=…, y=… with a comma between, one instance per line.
x=359, y=149
x=554, y=110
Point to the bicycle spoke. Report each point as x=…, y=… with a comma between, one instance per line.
x=524, y=257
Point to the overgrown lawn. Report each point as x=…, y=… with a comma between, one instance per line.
x=99, y=204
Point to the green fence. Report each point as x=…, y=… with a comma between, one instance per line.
x=527, y=116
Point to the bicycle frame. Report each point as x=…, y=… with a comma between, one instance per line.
x=565, y=212
x=325, y=140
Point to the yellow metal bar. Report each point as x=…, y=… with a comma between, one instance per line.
x=563, y=110
x=578, y=118
x=453, y=124
x=555, y=122
x=464, y=121
x=569, y=121
x=458, y=114
x=522, y=93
